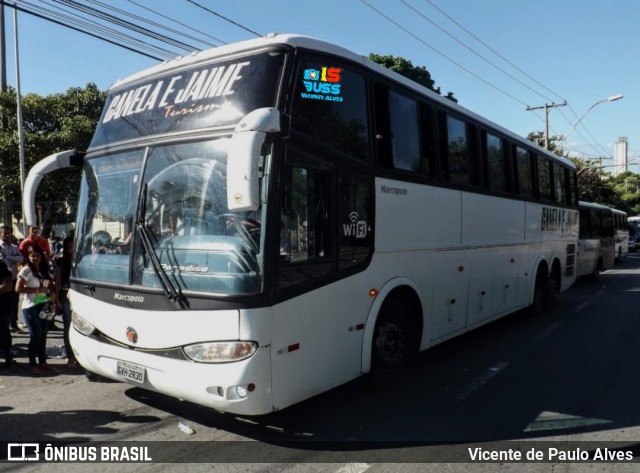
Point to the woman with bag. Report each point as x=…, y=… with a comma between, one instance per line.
x=34, y=281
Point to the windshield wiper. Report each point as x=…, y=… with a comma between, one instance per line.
x=143, y=232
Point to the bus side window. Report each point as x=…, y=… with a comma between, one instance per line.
x=494, y=151
x=405, y=141
x=545, y=191
x=559, y=184
x=455, y=154
x=523, y=171
x=305, y=235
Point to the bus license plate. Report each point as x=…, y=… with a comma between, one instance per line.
x=131, y=372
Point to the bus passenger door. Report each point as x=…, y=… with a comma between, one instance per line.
x=319, y=324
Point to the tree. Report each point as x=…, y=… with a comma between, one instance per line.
x=405, y=68
x=51, y=124
x=538, y=138
x=625, y=189
x=591, y=180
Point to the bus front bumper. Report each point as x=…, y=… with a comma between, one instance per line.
x=241, y=387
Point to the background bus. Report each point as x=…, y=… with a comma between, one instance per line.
x=621, y=229
x=634, y=231
x=596, y=248
x=280, y=216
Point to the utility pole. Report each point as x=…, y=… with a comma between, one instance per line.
x=546, y=108
x=3, y=52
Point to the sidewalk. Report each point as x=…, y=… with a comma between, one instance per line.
x=56, y=354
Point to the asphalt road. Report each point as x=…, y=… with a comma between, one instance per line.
x=562, y=380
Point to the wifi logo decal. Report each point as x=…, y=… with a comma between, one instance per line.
x=356, y=228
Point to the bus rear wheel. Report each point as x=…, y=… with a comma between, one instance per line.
x=545, y=291
x=392, y=346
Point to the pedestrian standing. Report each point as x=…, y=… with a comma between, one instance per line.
x=34, y=238
x=5, y=314
x=34, y=281
x=11, y=255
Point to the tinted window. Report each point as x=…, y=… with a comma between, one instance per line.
x=573, y=188
x=544, y=178
x=330, y=105
x=496, y=164
x=405, y=139
x=356, y=220
x=523, y=168
x=305, y=238
x=457, y=151
x=560, y=184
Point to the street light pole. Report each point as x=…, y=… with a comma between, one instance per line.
x=613, y=98
x=19, y=118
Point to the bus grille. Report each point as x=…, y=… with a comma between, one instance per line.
x=175, y=353
x=570, y=262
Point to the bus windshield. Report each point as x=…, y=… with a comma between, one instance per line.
x=181, y=211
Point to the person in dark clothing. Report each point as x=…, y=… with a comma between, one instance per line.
x=6, y=313
x=12, y=256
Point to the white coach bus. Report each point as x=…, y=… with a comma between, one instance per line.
x=597, y=242
x=621, y=229
x=263, y=221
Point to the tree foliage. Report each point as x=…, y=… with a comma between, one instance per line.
x=51, y=124
x=620, y=191
x=405, y=68
x=538, y=138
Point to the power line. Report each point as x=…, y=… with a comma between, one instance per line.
x=502, y=57
x=493, y=50
x=498, y=54
x=149, y=22
x=469, y=48
x=70, y=17
x=224, y=18
x=115, y=43
x=125, y=24
x=442, y=54
x=176, y=21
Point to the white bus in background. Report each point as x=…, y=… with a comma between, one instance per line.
x=289, y=216
x=634, y=231
x=596, y=247
x=621, y=232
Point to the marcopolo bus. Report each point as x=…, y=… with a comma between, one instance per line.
x=597, y=243
x=621, y=226
x=263, y=221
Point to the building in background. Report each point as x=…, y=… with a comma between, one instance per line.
x=621, y=159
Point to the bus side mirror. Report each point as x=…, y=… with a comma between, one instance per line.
x=243, y=158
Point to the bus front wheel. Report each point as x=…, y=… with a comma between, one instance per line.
x=391, y=347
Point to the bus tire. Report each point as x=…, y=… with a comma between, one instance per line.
x=542, y=292
x=555, y=283
x=392, y=345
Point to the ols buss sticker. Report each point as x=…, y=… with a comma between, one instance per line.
x=322, y=84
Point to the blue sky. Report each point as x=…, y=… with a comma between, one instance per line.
x=581, y=51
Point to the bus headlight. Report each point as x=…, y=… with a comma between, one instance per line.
x=81, y=325
x=220, y=352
